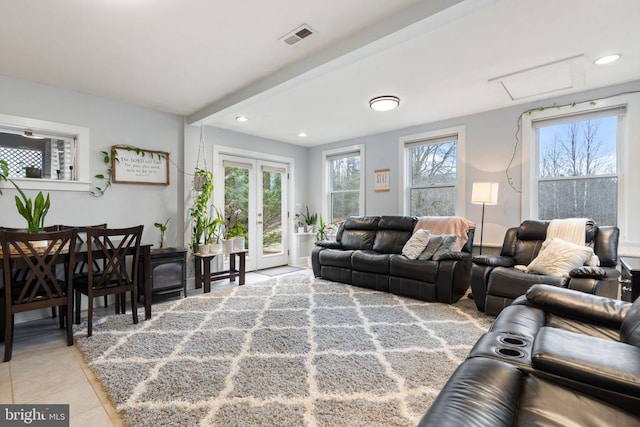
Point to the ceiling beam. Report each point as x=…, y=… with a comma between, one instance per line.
x=422, y=17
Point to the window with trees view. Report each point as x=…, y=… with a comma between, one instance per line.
x=432, y=176
x=345, y=185
x=577, y=166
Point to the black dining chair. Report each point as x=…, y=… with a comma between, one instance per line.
x=80, y=268
x=115, y=247
x=36, y=256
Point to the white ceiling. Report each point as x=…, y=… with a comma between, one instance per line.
x=212, y=60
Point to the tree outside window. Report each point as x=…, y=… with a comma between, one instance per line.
x=432, y=176
x=344, y=182
x=577, y=168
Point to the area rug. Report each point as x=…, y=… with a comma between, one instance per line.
x=289, y=351
x=279, y=271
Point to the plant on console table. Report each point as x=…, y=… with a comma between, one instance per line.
x=235, y=230
x=201, y=208
x=162, y=227
x=310, y=219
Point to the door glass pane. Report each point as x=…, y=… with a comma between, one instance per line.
x=271, y=212
x=236, y=197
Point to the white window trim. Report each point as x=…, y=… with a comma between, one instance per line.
x=82, y=169
x=326, y=176
x=460, y=206
x=529, y=152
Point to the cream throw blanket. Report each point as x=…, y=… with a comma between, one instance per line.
x=447, y=225
x=570, y=230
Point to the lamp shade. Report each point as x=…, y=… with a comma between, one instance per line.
x=484, y=192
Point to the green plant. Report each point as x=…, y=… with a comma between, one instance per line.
x=200, y=209
x=34, y=211
x=308, y=218
x=4, y=171
x=162, y=227
x=214, y=228
x=99, y=191
x=321, y=234
x=232, y=226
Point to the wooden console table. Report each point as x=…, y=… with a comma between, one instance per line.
x=204, y=276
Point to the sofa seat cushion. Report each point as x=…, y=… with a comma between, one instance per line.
x=423, y=271
x=510, y=283
x=336, y=258
x=370, y=261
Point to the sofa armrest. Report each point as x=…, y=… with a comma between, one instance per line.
x=456, y=256
x=329, y=244
x=578, y=305
x=494, y=261
x=586, y=272
x=613, y=367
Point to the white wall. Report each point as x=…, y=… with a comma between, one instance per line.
x=110, y=123
x=490, y=143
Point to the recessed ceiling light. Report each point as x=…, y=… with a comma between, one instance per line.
x=608, y=59
x=302, y=134
x=384, y=103
x=242, y=119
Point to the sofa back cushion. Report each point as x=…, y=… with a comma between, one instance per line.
x=393, y=233
x=359, y=232
x=630, y=329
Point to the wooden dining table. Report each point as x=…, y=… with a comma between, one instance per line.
x=144, y=265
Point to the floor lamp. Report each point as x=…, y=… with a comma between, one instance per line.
x=484, y=193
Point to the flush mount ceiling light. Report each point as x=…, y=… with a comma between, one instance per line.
x=384, y=103
x=242, y=119
x=608, y=59
x=302, y=134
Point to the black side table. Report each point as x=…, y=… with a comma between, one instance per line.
x=169, y=271
x=630, y=275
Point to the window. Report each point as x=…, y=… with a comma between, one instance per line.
x=432, y=175
x=344, y=183
x=56, y=154
x=577, y=166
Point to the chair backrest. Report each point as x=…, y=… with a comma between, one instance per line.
x=81, y=238
x=523, y=243
x=36, y=255
x=114, y=246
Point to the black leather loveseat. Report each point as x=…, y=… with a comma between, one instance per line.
x=555, y=357
x=367, y=252
x=495, y=282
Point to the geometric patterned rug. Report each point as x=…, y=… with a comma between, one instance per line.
x=290, y=351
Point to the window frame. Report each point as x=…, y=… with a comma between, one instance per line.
x=530, y=154
x=327, y=155
x=405, y=143
x=82, y=141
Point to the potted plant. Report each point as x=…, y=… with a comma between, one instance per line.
x=321, y=234
x=213, y=231
x=200, y=210
x=162, y=227
x=34, y=211
x=308, y=218
x=234, y=230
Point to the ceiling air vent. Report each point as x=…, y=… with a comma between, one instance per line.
x=296, y=35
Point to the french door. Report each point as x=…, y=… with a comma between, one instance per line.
x=254, y=193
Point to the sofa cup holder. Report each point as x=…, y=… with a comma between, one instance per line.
x=513, y=341
x=510, y=352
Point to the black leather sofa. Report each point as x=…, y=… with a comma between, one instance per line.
x=367, y=252
x=555, y=357
x=495, y=282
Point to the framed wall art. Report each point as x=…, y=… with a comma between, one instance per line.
x=132, y=165
x=381, y=180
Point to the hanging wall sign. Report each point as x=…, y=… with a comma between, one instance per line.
x=382, y=180
x=131, y=165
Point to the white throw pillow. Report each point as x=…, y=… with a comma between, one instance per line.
x=558, y=258
x=416, y=244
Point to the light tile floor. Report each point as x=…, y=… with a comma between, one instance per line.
x=43, y=369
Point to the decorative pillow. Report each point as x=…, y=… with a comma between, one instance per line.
x=593, y=260
x=435, y=240
x=558, y=258
x=416, y=244
x=447, y=245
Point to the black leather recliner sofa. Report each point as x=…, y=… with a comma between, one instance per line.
x=555, y=357
x=367, y=252
x=495, y=282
